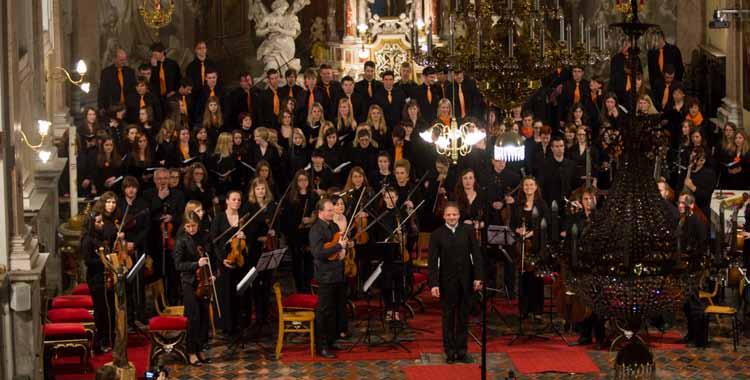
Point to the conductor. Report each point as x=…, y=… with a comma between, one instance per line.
x=455, y=272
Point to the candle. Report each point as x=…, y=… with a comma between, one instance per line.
x=562, y=27
x=588, y=38
x=510, y=5
x=580, y=29
x=541, y=32
x=536, y=5
x=510, y=42
x=569, y=39
x=531, y=29
x=429, y=37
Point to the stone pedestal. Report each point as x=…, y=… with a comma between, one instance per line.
x=48, y=217
x=26, y=318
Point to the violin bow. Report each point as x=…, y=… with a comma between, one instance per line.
x=213, y=285
x=122, y=224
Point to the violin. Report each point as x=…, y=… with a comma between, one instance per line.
x=121, y=247
x=350, y=264
x=236, y=254
x=167, y=231
x=441, y=200
x=360, y=224
x=109, y=275
x=203, y=274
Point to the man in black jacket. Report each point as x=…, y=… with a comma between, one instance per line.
x=391, y=99
x=270, y=101
x=556, y=174
x=165, y=72
x=117, y=81
x=660, y=56
x=456, y=270
x=330, y=276
x=330, y=91
x=368, y=86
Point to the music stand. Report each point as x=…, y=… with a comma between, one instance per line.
x=133, y=273
x=367, y=336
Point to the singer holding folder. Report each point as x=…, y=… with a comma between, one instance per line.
x=456, y=270
x=329, y=272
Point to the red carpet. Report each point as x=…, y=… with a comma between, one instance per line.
x=561, y=360
x=442, y=372
x=69, y=368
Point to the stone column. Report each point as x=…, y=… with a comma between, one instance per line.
x=47, y=177
x=731, y=108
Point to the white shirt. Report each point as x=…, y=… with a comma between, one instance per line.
x=452, y=228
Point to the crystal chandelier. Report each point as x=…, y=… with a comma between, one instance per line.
x=453, y=140
x=156, y=17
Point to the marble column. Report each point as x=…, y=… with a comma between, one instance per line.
x=731, y=108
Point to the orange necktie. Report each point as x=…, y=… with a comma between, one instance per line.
x=142, y=103
x=461, y=101
x=351, y=107
x=627, y=84
x=577, y=93
x=661, y=59
x=665, y=97
x=121, y=79
x=369, y=88
x=203, y=73
x=310, y=100
x=275, y=102
x=399, y=154
x=162, y=80
x=390, y=97
x=184, y=102
x=328, y=90
x=212, y=93
x=429, y=94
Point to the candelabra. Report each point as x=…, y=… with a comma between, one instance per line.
x=453, y=140
x=43, y=129
x=62, y=74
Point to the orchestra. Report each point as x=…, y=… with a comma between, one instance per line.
x=202, y=190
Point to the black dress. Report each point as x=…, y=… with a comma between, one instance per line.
x=187, y=252
x=233, y=308
x=531, y=288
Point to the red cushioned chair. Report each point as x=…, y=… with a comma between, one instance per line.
x=300, y=301
x=167, y=335
x=72, y=315
x=61, y=338
x=81, y=289
x=72, y=301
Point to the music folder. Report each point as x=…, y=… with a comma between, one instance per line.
x=373, y=277
x=270, y=260
x=499, y=235
x=136, y=268
x=247, y=280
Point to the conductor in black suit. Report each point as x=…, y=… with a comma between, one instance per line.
x=660, y=56
x=456, y=271
x=117, y=81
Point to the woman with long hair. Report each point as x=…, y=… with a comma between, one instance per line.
x=233, y=314
x=315, y=120
x=527, y=214
x=298, y=155
x=222, y=164
x=139, y=159
x=471, y=202
x=413, y=116
x=88, y=126
x=332, y=151
x=263, y=150
x=185, y=147
x=646, y=105
x=193, y=251
x=146, y=122
x=203, y=147
x=345, y=123
x=260, y=197
x=264, y=170
x=213, y=118
x=196, y=187
x=364, y=151
x=286, y=129
x=108, y=165
x=296, y=220
x=165, y=152
x=246, y=125
x=378, y=126
x=611, y=111
x=578, y=115
x=739, y=172
x=320, y=140
x=578, y=152
x=725, y=153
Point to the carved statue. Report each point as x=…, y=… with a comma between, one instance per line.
x=280, y=27
x=318, y=49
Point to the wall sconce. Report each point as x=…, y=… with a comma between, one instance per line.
x=43, y=128
x=81, y=70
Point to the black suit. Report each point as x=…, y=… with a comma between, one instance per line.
x=472, y=98
x=567, y=97
x=426, y=107
x=361, y=88
x=133, y=105
x=284, y=91
x=393, y=109
x=330, y=98
x=409, y=88
x=331, y=283
x=302, y=99
x=264, y=107
x=618, y=79
x=672, y=56
x=657, y=94
x=193, y=72
x=360, y=107
x=455, y=261
x=237, y=102
x=172, y=76
x=109, y=86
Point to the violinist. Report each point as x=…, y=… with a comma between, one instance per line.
x=692, y=235
x=392, y=279
x=166, y=206
x=258, y=231
x=356, y=183
x=192, y=252
x=99, y=232
x=701, y=181
x=529, y=215
x=578, y=223
x=436, y=193
x=341, y=220
x=503, y=182
x=404, y=186
x=330, y=277
x=299, y=216
x=136, y=222
x=229, y=270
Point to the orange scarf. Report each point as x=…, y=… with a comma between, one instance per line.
x=697, y=119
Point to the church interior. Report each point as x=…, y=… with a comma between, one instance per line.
x=382, y=189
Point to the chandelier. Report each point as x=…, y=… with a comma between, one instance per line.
x=156, y=17
x=507, y=46
x=453, y=140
